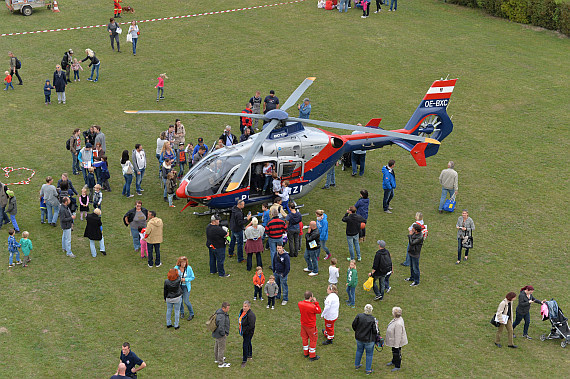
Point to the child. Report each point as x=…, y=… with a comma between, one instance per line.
x=8, y=80
x=47, y=91
x=83, y=203
x=76, y=66
x=43, y=210
x=12, y=209
x=276, y=182
x=144, y=246
x=13, y=246
x=91, y=181
x=27, y=247
x=271, y=290
x=171, y=186
x=97, y=197
x=181, y=159
x=334, y=272
x=160, y=86
x=284, y=195
x=258, y=282
x=351, y=283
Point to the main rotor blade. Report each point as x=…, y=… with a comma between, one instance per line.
x=388, y=133
x=249, y=115
x=297, y=93
x=244, y=165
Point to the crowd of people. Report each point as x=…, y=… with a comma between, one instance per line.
x=364, y=5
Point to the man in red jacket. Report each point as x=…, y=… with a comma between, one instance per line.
x=309, y=308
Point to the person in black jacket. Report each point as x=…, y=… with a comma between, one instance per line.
x=94, y=231
x=173, y=297
x=227, y=137
x=246, y=327
x=365, y=331
x=59, y=82
x=353, y=226
x=136, y=218
x=523, y=309
x=66, y=220
x=313, y=249
x=216, y=244
x=381, y=267
x=237, y=225
x=66, y=62
x=94, y=64
x=416, y=240
x=221, y=333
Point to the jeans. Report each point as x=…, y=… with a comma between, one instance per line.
x=294, y=238
x=75, y=163
x=176, y=307
x=324, y=247
x=53, y=213
x=12, y=253
x=14, y=223
x=518, y=320
x=135, y=40
x=170, y=198
x=43, y=215
x=273, y=242
x=159, y=92
x=415, y=269
x=311, y=259
x=113, y=39
x=127, y=186
x=459, y=248
x=217, y=258
x=98, y=179
x=247, y=349
x=257, y=260
x=330, y=178
x=95, y=68
x=8, y=85
x=388, y=195
x=164, y=187
x=360, y=347
x=136, y=239
x=282, y=283
x=66, y=241
x=155, y=247
x=352, y=244
x=47, y=99
x=237, y=237
x=75, y=74
x=85, y=172
x=407, y=261
x=92, y=246
x=358, y=159
x=351, y=291
x=186, y=300
x=5, y=219
x=394, y=4
x=382, y=281
x=444, y=192
x=387, y=281
x=267, y=184
x=343, y=4
x=60, y=96
x=138, y=179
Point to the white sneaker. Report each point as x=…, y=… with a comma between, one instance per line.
x=284, y=302
x=267, y=307
x=219, y=362
x=375, y=11
x=388, y=289
x=313, y=274
x=306, y=269
x=255, y=298
x=224, y=365
x=362, y=16
x=272, y=307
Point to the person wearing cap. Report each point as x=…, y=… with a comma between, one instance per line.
x=66, y=63
x=200, y=143
x=216, y=244
x=228, y=138
x=381, y=268
x=271, y=102
x=305, y=108
x=85, y=158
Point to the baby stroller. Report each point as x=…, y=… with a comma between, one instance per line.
x=559, y=323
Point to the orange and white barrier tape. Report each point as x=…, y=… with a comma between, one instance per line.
x=8, y=170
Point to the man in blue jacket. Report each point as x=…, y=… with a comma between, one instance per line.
x=281, y=268
x=389, y=184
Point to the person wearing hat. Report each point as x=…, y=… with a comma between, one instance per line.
x=271, y=102
x=216, y=244
x=200, y=143
x=305, y=108
x=66, y=63
x=228, y=138
x=381, y=268
x=85, y=158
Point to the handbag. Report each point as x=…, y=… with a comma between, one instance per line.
x=138, y=33
x=467, y=241
x=129, y=37
x=368, y=284
x=449, y=205
x=119, y=30
x=494, y=321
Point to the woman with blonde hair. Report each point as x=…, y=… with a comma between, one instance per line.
x=94, y=64
x=330, y=313
x=186, y=276
x=173, y=297
x=396, y=338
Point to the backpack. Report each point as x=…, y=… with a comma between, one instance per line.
x=424, y=231
x=18, y=64
x=211, y=323
x=68, y=144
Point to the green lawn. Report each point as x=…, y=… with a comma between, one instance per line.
x=63, y=317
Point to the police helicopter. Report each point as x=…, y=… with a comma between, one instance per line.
x=303, y=154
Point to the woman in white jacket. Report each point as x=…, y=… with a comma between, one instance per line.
x=396, y=338
x=330, y=313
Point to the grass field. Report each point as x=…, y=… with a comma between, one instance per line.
x=62, y=317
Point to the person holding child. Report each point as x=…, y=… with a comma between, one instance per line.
x=13, y=247
x=186, y=277
x=254, y=243
x=94, y=231
x=27, y=246
x=258, y=282
x=330, y=313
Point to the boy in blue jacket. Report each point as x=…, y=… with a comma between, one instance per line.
x=47, y=91
x=13, y=247
x=389, y=184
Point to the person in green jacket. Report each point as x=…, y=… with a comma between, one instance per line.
x=26, y=245
x=351, y=282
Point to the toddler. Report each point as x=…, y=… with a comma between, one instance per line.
x=258, y=282
x=13, y=246
x=271, y=290
x=160, y=87
x=97, y=197
x=351, y=283
x=83, y=203
x=90, y=181
x=276, y=182
x=144, y=246
x=334, y=272
x=171, y=186
x=76, y=66
x=27, y=247
x=284, y=195
x=12, y=209
x=47, y=92
x=43, y=210
x=8, y=80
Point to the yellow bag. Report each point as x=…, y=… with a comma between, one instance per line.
x=368, y=284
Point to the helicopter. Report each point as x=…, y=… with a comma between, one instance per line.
x=303, y=154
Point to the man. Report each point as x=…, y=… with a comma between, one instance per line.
x=245, y=122
x=153, y=237
x=389, y=184
x=74, y=147
x=255, y=102
x=353, y=226
x=65, y=178
x=237, y=225
x=197, y=147
x=246, y=134
x=415, y=240
x=85, y=158
x=100, y=137
x=216, y=243
x=59, y=82
x=15, y=66
x=89, y=135
x=275, y=229
x=199, y=155
x=312, y=249
x=278, y=207
x=131, y=360
x=170, y=135
x=246, y=328
x=4, y=219
x=66, y=63
x=281, y=268
x=381, y=268
x=271, y=102
x=309, y=308
x=305, y=108
x=66, y=220
x=220, y=334
x=51, y=199
x=139, y=164
x=358, y=157
x=330, y=181
x=227, y=137
x=121, y=370
x=449, y=184
x=293, y=222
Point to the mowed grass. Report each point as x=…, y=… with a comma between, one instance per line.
x=63, y=317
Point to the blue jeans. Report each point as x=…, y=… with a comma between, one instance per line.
x=273, y=242
x=156, y=248
x=394, y=4
x=92, y=246
x=330, y=178
x=387, y=281
x=5, y=219
x=382, y=282
x=358, y=159
x=267, y=184
x=74, y=163
x=343, y=4
x=311, y=259
x=360, y=347
x=136, y=238
x=217, y=258
x=135, y=45
x=159, y=92
x=444, y=192
x=85, y=173
x=75, y=74
x=14, y=223
x=388, y=195
x=324, y=247
x=282, y=284
x=53, y=213
x=66, y=241
x=352, y=245
x=44, y=215
x=415, y=269
x=351, y=291
x=518, y=320
x=8, y=85
x=186, y=300
x=95, y=68
x=127, y=186
x=176, y=307
x=237, y=237
x=138, y=179
x=407, y=261
x=12, y=253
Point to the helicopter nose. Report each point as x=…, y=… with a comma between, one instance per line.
x=181, y=191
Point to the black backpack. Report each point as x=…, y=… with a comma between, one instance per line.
x=68, y=144
x=18, y=64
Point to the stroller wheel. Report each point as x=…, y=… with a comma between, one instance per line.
x=543, y=337
x=563, y=343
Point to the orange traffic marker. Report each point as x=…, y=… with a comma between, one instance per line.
x=55, y=7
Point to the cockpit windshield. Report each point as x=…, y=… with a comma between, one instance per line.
x=207, y=176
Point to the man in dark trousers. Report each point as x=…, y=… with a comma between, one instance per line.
x=237, y=225
x=353, y=225
x=381, y=267
x=216, y=244
x=130, y=360
x=281, y=268
x=275, y=229
x=246, y=327
x=312, y=249
x=271, y=102
x=416, y=240
x=14, y=66
x=388, y=184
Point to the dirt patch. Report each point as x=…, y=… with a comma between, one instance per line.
x=3, y=330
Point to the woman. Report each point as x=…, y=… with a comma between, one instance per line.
x=166, y=152
x=330, y=313
x=113, y=34
x=179, y=137
x=186, y=276
x=219, y=145
x=465, y=226
x=396, y=337
x=98, y=152
x=254, y=242
x=136, y=218
x=365, y=331
x=523, y=309
x=505, y=318
x=128, y=171
x=173, y=298
x=323, y=226
x=159, y=144
x=94, y=64
x=94, y=231
x=134, y=32
x=59, y=82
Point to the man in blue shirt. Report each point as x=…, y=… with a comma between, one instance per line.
x=130, y=360
x=197, y=147
x=305, y=108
